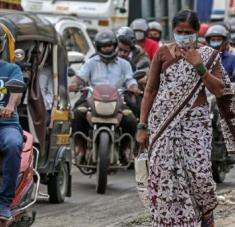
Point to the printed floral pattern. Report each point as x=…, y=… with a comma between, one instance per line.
x=181, y=187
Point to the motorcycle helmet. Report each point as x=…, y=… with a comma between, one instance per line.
x=140, y=28
x=126, y=35
x=155, y=26
x=106, y=38
x=216, y=30
x=217, y=37
x=139, y=24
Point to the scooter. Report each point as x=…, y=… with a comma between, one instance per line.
x=28, y=179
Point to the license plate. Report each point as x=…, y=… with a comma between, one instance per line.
x=62, y=139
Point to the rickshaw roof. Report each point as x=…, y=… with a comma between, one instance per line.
x=27, y=26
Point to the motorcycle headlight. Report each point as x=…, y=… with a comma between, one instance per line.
x=105, y=108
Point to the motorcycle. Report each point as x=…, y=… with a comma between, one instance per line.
x=28, y=179
x=103, y=154
x=221, y=164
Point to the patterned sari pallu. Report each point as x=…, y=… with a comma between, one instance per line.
x=181, y=187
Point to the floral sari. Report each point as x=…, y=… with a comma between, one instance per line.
x=181, y=187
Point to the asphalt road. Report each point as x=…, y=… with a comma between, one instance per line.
x=87, y=209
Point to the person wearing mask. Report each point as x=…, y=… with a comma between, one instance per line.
x=103, y=68
x=155, y=32
x=217, y=37
x=176, y=129
x=138, y=59
x=128, y=50
x=140, y=28
x=11, y=139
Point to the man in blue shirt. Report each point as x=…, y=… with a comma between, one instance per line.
x=11, y=139
x=217, y=37
x=104, y=68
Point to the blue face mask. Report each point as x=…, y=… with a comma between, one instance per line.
x=216, y=44
x=185, y=39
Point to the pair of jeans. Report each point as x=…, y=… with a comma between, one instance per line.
x=11, y=141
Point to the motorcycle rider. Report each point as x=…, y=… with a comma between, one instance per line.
x=129, y=51
x=140, y=28
x=217, y=37
x=155, y=32
x=11, y=139
x=103, y=68
x=138, y=59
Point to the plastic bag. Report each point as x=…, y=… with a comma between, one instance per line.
x=141, y=176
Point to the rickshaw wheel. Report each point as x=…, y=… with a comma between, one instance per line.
x=58, y=185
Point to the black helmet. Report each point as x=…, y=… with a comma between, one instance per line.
x=126, y=35
x=139, y=24
x=3, y=39
x=217, y=30
x=104, y=38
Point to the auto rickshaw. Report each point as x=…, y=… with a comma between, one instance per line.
x=45, y=109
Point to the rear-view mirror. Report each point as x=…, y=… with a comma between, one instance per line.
x=139, y=74
x=19, y=55
x=75, y=57
x=71, y=72
x=122, y=10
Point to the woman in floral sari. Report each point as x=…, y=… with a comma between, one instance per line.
x=181, y=188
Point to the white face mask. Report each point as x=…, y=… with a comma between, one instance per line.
x=216, y=44
x=139, y=35
x=185, y=39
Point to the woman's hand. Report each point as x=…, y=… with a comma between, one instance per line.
x=191, y=55
x=142, y=137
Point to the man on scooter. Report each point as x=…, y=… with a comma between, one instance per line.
x=11, y=139
x=104, y=68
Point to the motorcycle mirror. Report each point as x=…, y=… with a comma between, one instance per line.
x=71, y=72
x=143, y=65
x=15, y=86
x=122, y=10
x=138, y=74
x=19, y=55
x=75, y=57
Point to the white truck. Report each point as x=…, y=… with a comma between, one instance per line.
x=96, y=14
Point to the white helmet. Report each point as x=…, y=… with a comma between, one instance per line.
x=154, y=25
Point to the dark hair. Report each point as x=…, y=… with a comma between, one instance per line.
x=187, y=16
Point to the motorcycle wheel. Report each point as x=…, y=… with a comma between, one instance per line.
x=103, y=162
x=218, y=173
x=58, y=185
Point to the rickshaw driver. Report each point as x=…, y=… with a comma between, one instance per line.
x=11, y=139
x=105, y=67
